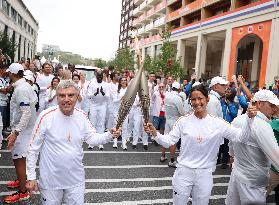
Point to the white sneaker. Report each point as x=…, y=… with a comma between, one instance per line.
x=128, y=139
x=172, y=164
x=124, y=146
x=101, y=147
x=90, y=147
x=114, y=143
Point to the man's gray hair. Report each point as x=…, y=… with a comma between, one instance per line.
x=67, y=84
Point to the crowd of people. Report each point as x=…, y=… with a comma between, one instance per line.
x=52, y=111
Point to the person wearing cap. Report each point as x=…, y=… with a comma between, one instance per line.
x=44, y=80
x=30, y=78
x=23, y=110
x=218, y=88
x=174, y=110
x=252, y=159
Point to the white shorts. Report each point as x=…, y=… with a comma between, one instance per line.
x=72, y=196
x=242, y=194
x=198, y=182
x=22, y=143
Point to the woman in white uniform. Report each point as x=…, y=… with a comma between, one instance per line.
x=201, y=135
x=51, y=99
x=117, y=97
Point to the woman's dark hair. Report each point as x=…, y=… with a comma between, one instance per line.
x=55, y=78
x=75, y=75
x=119, y=84
x=112, y=75
x=202, y=88
x=232, y=95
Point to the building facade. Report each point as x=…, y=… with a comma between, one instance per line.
x=20, y=25
x=126, y=23
x=216, y=37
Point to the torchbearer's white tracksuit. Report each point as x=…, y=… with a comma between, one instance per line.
x=44, y=82
x=116, y=102
x=111, y=105
x=252, y=162
x=98, y=105
x=24, y=115
x=174, y=109
x=200, y=140
x=136, y=122
x=83, y=92
x=59, y=139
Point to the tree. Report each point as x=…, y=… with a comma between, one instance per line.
x=7, y=45
x=100, y=63
x=124, y=60
x=166, y=62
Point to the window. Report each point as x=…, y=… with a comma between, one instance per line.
x=29, y=28
x=25, y=25
x=6, y=7
x=32, y=31
x=14, y=13
x=19, y=20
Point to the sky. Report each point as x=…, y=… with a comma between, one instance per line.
x=86, y=27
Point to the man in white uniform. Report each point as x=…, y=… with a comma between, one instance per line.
x=44, y=81
x=174, y=110
x=58, y=136
x=218, y=87
x=23, y=110
x=98, y=93
x=252, y=159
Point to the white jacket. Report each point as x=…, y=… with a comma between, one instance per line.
x=156, y=104
x=59, y=139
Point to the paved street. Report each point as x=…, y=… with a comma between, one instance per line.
x=123, y=177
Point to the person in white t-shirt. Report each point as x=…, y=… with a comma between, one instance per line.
x=113, y=85
x=58, y=136
x=44, y=80
x=83, y=85
x=23, y=110
x=201, y=135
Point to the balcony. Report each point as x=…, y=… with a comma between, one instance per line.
x=189, y=8
x=141, y=18
x=144, y=6
x=160, y=22
x=138, y=2
x=137, y=12
x=174, y=15
x=140, y=30
x=149, y=27
x=169, y=2
x=153, y=2
x=161, y=7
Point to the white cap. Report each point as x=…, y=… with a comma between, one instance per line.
x=30, y=77
x=28, y=72
x=266, y=96
x=196, y=83
x=175, y=85
x=218, y=80
x=14, y=68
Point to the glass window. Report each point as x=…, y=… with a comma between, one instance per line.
x=19, y=20
x=6, y=7
x=25, y=25
x=13, y=13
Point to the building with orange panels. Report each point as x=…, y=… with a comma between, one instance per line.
x=215, y=37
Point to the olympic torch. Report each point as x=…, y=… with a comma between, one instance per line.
x=144, y=97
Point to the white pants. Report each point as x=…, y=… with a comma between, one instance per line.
x=136, y=121
x=1, y=129
x=242, y=194
x=197, y=182
x=111, y=115
x=97, y=116
x=42, y=101
x=72, y=196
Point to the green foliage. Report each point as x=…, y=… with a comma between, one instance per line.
x=7, y=45
x=100, y=63
x=123, y=60
x=68, y=57
x=166, y=62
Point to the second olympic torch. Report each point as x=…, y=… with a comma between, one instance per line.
x=144, y=97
